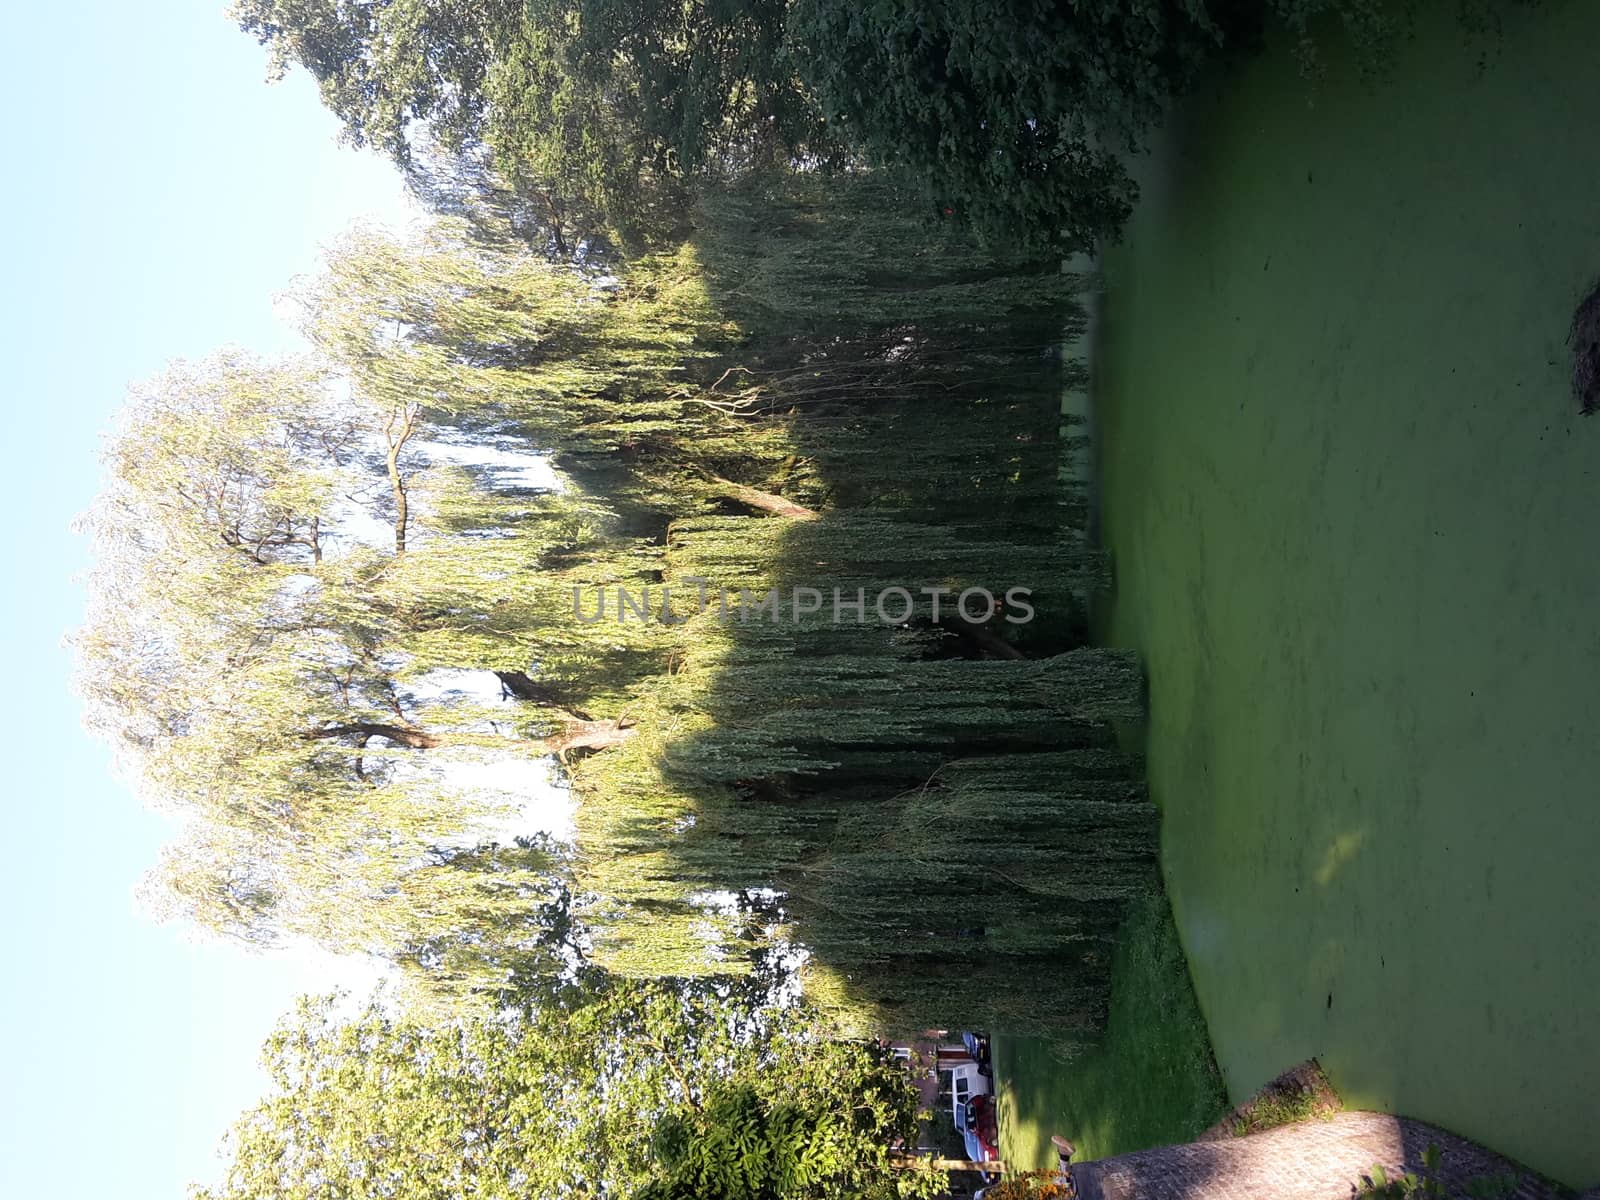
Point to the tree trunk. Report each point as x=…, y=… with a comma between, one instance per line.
x=589, y=735
x=397, y=432
x=763, y=501
x=576, y=734
x=402, y=502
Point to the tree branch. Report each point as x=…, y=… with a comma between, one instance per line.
x=412, y=739
x=764, y=501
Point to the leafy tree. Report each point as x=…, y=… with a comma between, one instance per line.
x=596, y=111
x=561, y=1101
x=741, y=1144
x=1014, y=119
x=620, y=103
x=381, y=67
x=753, y=409
x=261, y=668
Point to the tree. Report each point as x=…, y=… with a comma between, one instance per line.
x=753, y=409
x=742, y=1144
x=561, y=1100
x=1015, y=117
x=381, y=67
x=264, y=671
x=597, y=108
x=1011, y=119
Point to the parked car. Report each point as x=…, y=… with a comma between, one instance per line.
x=982, y=1120
x=977, y=1045
x=975, y=1121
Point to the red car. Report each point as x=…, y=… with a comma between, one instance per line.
x=982, y=1123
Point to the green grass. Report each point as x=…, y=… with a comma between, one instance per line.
x=1355, y=525
x=1150, y=1081
x=1272, y=1111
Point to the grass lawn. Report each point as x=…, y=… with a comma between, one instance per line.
x=1355, y=525
x=1151, y=1080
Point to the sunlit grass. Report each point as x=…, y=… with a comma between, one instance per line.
x=1350, y=508
x=1149, y=1082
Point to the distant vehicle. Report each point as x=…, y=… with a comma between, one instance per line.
x=977, y=1045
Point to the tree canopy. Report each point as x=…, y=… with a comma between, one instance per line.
x=637, y=1090
x=301, y=563
x=1012, y=119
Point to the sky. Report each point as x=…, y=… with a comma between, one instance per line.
x=160, y=195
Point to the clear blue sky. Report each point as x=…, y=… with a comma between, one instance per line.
x=158, y=194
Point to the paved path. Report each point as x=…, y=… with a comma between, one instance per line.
x=1314, y=1160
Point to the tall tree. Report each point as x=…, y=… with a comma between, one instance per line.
x=1011, y=118
x=562, y=1101
x=265, y=670
x=751, y=409
x=598, y=107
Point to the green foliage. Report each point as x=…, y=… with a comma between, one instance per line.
x=741, y=1144
x=264, y=673
x=596, y=113
x=1432, y=1183
x=934, y=809
x=1013, y=117
x=1154, y=1035
x=623, y=102
x=381, y=67
x=562, y=1101
x=1015, y=120
x=938, y=828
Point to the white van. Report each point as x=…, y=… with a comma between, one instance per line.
x=959, y=1081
